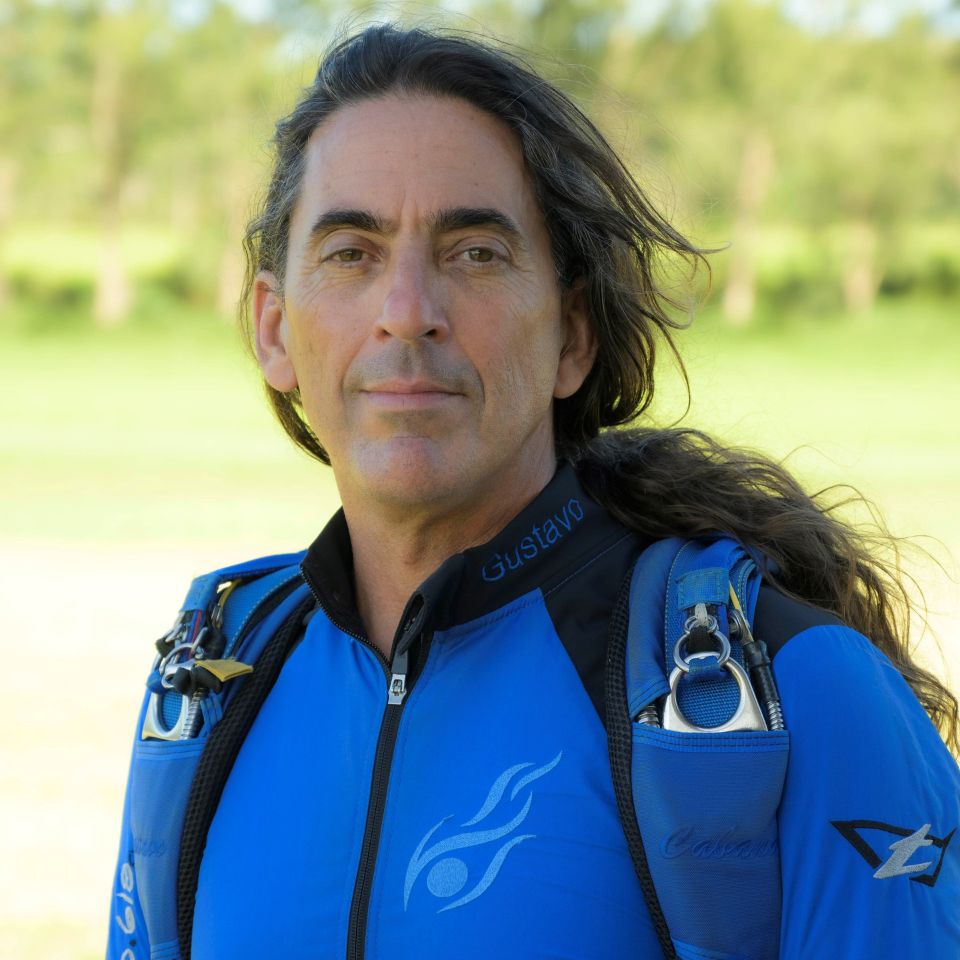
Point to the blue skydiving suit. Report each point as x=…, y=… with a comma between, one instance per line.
x=475, y=817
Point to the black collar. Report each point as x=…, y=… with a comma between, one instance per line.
x=540, y=548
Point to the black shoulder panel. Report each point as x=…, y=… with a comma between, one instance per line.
x=778, y=617
x=580, y=607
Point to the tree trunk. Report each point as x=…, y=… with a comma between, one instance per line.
x=112, y=293
x=753, y=184
x=112, y=298
x=230, y=280
x=861, y=277
x=8, y=177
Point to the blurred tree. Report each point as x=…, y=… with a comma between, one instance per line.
x=723, y=80
x=109, y=113
x=13, y=91
x=871, y=140
x=224, y=95
x=146, y=124
x=129, y=73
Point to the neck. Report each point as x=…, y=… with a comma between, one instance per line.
x=394, y=551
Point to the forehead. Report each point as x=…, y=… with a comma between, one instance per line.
x=403, y=157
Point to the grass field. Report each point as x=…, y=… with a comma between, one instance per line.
x=132, y=461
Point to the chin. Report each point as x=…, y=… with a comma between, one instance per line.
x=410, y=472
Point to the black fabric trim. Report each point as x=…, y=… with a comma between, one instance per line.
x=542, y=545
x=217, y=761
x=580, y=605
x=620, y=745
x=778, y=618
x=328, y=570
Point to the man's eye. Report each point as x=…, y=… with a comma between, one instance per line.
x=480, y=254
x=347, y=255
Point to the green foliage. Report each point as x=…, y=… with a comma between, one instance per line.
x=828, y=157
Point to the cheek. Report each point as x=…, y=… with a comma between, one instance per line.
x=522, y=366
x=316, y=360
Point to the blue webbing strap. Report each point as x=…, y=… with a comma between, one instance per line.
x=669, y=579
x=266, y=575
x=700, y=790
x=702, y=572
x=162, y=771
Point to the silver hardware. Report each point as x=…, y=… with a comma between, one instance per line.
x=189, y=720
x=776, y=715
x=748, y=715
x=739, y=623
x=398, y=688
x=649, y=716
x=180, y=655
x=153, y=727
x=701, y=619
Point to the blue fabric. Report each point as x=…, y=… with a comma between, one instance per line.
x=247, y=597
x=144, y=922
x=703, y=585
x=501, y=836
x=171, y=703
x=707, y=807
x=203, y=589
x=862, y=748
x=705, y=803
x=127, y=937
x=646, y=669
x=158, y=794
x=702, y=572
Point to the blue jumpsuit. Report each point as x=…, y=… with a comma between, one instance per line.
x=475, y=816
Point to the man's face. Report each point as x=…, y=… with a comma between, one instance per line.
x=421, y=318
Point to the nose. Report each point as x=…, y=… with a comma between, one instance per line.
x=412, y=308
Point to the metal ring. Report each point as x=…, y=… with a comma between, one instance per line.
x=707, y=619
x=722, y=657
x=168, y=668
x=747, y=716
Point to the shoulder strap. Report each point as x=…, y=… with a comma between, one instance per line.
x=703, y=797
x=276, y=636
x=211, y=627
x=215, y=654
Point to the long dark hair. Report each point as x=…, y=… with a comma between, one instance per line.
x=684, y=483
x=605, y=234
x=603, y=229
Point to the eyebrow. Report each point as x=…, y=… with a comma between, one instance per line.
x=442, y=221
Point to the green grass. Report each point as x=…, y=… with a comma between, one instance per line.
x=132, y=460
x=149, y=436
x=162, y=434
x=871, y=402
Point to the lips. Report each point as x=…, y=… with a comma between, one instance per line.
x=409, y=388
x=408, y=394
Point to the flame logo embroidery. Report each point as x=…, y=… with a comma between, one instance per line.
x=448, y=875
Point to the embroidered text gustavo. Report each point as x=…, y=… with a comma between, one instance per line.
x=540, y=538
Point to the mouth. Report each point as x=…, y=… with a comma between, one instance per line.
x=408, y=394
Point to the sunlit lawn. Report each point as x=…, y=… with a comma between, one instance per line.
x=163, y=435
x=131, y=461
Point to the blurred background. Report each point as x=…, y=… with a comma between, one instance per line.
x=817, y=142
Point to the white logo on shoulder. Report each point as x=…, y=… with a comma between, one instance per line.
x=449, y=875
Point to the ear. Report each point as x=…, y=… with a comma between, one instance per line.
x=270, y=324
x=579, y=342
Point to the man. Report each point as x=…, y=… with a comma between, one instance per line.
x=451, y=294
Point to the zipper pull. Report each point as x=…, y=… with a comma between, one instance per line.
x=398, y=681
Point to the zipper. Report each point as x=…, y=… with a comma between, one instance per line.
x=397, y=689
x=343, y=627
x=399, y=682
